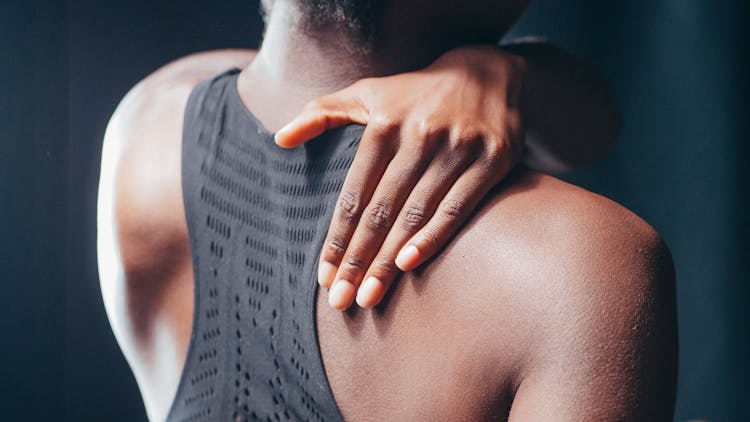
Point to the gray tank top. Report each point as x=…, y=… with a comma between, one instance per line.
x=257, y=216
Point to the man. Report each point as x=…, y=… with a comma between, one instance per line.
x=552, y=303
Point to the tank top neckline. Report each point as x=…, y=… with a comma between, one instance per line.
x=262, y=130
x=234, y=94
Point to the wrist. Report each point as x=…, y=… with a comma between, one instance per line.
x=485, y=58
x=494, y=66
x=528, y=73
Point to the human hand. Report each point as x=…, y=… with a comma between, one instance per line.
x=437, y=140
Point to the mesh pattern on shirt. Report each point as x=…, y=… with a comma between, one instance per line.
x=257, y=216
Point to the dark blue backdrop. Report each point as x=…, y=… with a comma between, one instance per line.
x=675, y=66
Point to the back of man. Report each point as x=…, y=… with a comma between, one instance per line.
x=551, y=299
x=543, y=292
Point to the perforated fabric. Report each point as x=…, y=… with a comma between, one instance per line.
x=257, y=217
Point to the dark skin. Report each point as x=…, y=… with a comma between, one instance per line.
x=541, y=313
x=410, y=228
x=437, y=154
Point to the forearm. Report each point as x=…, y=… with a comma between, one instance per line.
x=570, y=118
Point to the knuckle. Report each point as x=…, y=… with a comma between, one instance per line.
x=425, y=128
x=452, y=208
x=378, y=216
x=495, y=150
x=383, y=265
x=349, y=205
x=429, y=238
x=384, y=125
x=466, y=128
x=334, y=248
x=354, y=263
x=466, y=138
x=413, y=217
x=429, y=129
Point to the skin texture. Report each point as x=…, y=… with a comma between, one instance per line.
x=493, y=101
x=450, y=167
x=552, y=303
x=586, y=332
x=395, y=220
x=455, y=153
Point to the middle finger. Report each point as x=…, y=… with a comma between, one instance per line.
x=377, y=218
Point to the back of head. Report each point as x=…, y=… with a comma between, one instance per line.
x=372, y=22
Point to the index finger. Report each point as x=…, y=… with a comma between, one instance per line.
x=370, y=162
x=325, y=113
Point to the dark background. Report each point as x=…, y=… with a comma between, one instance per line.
x=676, y=68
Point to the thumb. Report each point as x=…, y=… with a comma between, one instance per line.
x=328, y=112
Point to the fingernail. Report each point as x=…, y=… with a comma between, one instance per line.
x=369, y=290
x=407, y=258
x=340, y=296
x=326, y=273
x=281, y=133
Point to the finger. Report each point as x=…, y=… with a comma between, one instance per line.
x=367, y=168
x=451, y=213
x=325, y=113
x=417, y=210
x=378, y=217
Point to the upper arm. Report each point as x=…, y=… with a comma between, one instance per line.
x=145, y=267
x=142, y=233
x=144, y=259
x=140, y=222
x=609, y=347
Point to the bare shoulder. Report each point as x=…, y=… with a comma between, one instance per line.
x=150, y=114
x=585, y=287
x=139, y=191
x=184, y=73
x=552, y=303
x=145, y=268
x=570, y=226
x=537, y=227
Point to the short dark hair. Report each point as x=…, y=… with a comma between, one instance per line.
x=361, y=18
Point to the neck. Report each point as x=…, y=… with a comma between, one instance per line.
x=297, y=64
